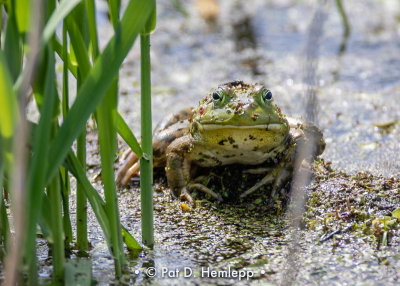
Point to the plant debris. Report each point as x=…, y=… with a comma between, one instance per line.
x=362, y=203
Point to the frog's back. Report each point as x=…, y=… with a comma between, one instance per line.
x=171, y=127
x=172, y=119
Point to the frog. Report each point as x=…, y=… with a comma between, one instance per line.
x=235, y=123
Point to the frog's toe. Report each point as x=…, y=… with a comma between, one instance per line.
x=127, y=153
x=257, y=171
x=281, y=179
x=206, y=190
x=269, y=178
x=129, y=169
x=132, y=171
x=185, y=195
x=278, y=177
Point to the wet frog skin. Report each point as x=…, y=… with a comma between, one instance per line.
x=237, y=123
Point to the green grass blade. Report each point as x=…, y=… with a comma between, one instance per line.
x=79, y=48
x=65, y=191
x=146, y=166
x=151, y=23
x=65, y=7
x=58, y=256
x=37, y=168
x=114, y=6
x=130, y=242
x=1, y=165
x=58, y=48
x=23, y=15
x=81, y=204
x=1, y=21
x=4, y=224
x=9, y=112
x=96, y=202
x=99, y=79
x=65, y=90
x=65, y=175
x=345, y=20
x=45, y=220
x=91, y=15
x=126, y=134
x=106, y=123
x=13, y=48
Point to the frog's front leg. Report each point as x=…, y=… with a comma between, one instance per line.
x=178, y=169
x=178, y=166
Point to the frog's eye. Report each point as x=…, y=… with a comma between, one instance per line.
x=220, y=98
x=266, y=95
x=217, y=95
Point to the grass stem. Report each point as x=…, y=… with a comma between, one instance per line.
x=146, y=166
x=54, y=194
x=81, y=204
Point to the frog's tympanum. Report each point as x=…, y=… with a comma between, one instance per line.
x=237, y=123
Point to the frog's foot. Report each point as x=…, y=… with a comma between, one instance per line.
x=206, y=190
x=129, y=169
x=258, y=171
x=185, y=195
x=278, y=177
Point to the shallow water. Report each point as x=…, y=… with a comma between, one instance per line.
x=358, y=90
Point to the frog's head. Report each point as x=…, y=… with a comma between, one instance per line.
x=240, y=113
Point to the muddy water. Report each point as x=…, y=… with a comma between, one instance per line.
x=358, y=91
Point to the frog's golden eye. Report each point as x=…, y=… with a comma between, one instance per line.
x=266, y=95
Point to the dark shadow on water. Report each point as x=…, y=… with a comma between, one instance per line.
x=244, y=35
x=245, y=38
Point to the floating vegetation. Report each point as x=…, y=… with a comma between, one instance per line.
x=363, y=204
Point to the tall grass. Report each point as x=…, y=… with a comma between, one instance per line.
x=43, y=150
x=146, y=164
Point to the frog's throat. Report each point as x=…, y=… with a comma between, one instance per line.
x=271, y=126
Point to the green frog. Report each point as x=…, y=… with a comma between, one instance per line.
x=236, y=123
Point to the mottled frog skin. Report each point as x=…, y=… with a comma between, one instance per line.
x=237, y=123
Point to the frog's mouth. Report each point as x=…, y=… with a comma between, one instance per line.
x=267, y=127
x=249, y=138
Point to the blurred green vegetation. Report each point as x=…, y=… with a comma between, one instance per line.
x=42, y=152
